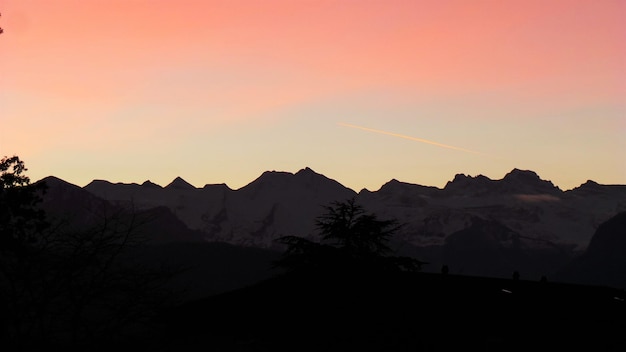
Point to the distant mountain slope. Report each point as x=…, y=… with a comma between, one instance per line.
x=282, y=203
x=604, y=261
x=488, y=248
x=273, y=205
x=521, y=201
x=206, y=268
x=67, y=202
x=190, y=204
x=79, y=209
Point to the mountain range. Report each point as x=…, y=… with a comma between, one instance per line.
x=474, y=225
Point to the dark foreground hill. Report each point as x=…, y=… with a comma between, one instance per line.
x=400, y=312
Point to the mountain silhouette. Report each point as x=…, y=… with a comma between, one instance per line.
x=551, y=226
x=604, y=262
x=150, y=184
x=179, y=183
x=515, y=182
x=526, y=264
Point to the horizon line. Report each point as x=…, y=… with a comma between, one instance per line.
x=304, y=168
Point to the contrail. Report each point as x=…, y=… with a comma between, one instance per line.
x=409, y=138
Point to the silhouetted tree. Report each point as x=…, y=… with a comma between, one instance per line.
x=20, y=219
x=346, y=225
x=66, y=286
x=349, y=237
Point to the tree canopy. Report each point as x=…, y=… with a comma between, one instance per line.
x=350, y=238
x=20, y=218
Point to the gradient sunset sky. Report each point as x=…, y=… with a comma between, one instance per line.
x=361, y=91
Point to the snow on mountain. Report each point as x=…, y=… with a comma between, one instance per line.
x=280, y=203
x=275, y=204
x=521, y=201
x=475, y=225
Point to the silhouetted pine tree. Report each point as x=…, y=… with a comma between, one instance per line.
x=350, y=238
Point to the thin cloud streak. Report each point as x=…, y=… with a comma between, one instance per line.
x=409, y=138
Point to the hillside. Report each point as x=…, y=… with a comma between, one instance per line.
x=406, y=312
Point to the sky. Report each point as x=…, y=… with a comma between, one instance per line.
x=361, y=91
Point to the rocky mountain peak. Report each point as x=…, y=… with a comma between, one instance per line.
x=467, y=183
x=592, y=188
x=589, y=186
x=391, y=186
x=150, y=184
x=306, y=171
x=179, y=183
x=271, y=177
x=52, y=181
x=516, y=181
x=590, y=183
x=306, y=178
x=97, y=183
x=527, y=181
x=522, y=175
x=222, y=186
x=311, y=179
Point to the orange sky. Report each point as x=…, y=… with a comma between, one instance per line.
x=220, y=91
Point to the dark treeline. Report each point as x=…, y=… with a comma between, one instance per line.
x=75, y=287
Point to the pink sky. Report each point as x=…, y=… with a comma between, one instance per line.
x=220, y=91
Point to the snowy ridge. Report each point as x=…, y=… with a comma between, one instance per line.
x=280, y=203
